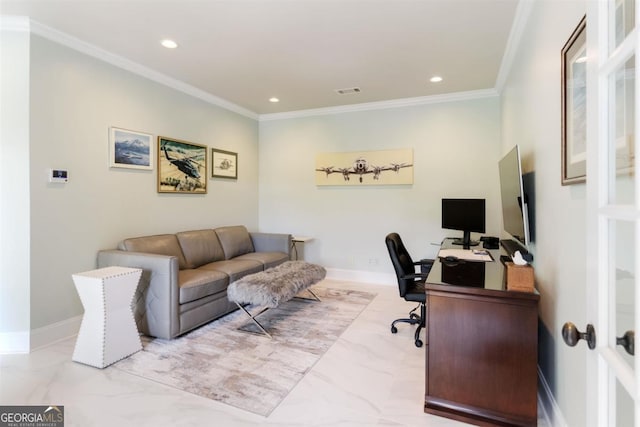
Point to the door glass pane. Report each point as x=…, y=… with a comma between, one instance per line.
x=623, y=15
x=622, y=134
x=622, y=291
x=623, y=407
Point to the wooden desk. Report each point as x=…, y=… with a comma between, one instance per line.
x=481, y=346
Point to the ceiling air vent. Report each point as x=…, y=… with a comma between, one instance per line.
x=348, y=91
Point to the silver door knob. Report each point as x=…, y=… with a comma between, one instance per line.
x=571, y=335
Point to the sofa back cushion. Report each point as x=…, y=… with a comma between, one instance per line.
x=235, y=240
x=161, y=244
x=200, y=247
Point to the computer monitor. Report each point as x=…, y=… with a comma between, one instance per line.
x=467, y=215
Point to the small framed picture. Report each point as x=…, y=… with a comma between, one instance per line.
x=130, y=149
x=182, y=166
x=224, y=164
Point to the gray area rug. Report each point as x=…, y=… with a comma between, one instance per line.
x=248, y=370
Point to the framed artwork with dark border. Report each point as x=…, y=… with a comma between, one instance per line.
x=224, y=164
x=574, y=106
x=182, y=166
x=130, y=149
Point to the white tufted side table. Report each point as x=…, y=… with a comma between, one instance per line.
x=108, y=332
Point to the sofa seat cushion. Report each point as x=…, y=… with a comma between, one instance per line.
x=196, y=284
x=235, y=269
x=268, y=259
x=200, y=247
x=235, y=240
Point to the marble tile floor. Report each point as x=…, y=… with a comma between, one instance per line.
x=369, y=377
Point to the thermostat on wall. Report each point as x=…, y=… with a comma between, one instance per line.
x=58, y=175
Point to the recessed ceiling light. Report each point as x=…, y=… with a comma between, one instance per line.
x=274, y=99
x=435, y=79
x=169, y=44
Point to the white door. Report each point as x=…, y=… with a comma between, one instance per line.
x=613, y=213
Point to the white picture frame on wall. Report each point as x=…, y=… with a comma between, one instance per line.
x=130, y=149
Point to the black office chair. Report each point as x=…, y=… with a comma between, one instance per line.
x=410, y=283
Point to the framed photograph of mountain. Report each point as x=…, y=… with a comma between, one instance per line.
x=182, y=166
x=130, y=149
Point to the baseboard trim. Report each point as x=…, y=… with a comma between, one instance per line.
x=362, y=276
x=547, y=403
x=51, y=334
x=14, y=342
x=55, y=332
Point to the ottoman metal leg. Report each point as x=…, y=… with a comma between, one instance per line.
x=315, y=297
x=253, y=318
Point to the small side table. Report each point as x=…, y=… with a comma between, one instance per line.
x=108, y=332
x=298, y=239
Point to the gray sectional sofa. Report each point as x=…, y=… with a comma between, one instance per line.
x=186, y=275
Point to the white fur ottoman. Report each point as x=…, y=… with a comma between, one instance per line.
x=275, y=285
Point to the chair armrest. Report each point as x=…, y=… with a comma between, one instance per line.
x=271, y=242
x=156, y=302
x=414, y=276
x=425, y=264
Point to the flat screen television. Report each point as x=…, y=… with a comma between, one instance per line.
x=467, y=215
x=514, y=202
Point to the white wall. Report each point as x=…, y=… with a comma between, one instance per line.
x=531, y=118
x=14, y=187
x=75, y=98
x=456, y=147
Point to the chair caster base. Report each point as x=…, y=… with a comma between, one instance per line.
x=418, y=343
x=394, y=329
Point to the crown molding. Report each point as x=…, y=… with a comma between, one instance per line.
x=126, y=64
x=21, y=23
x=14, y=23
x=523, y=11
x=381, y=105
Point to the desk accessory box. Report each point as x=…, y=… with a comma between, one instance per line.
x=520, y=277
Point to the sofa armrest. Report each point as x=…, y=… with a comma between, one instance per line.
x=156, y=302
x=271, y=242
